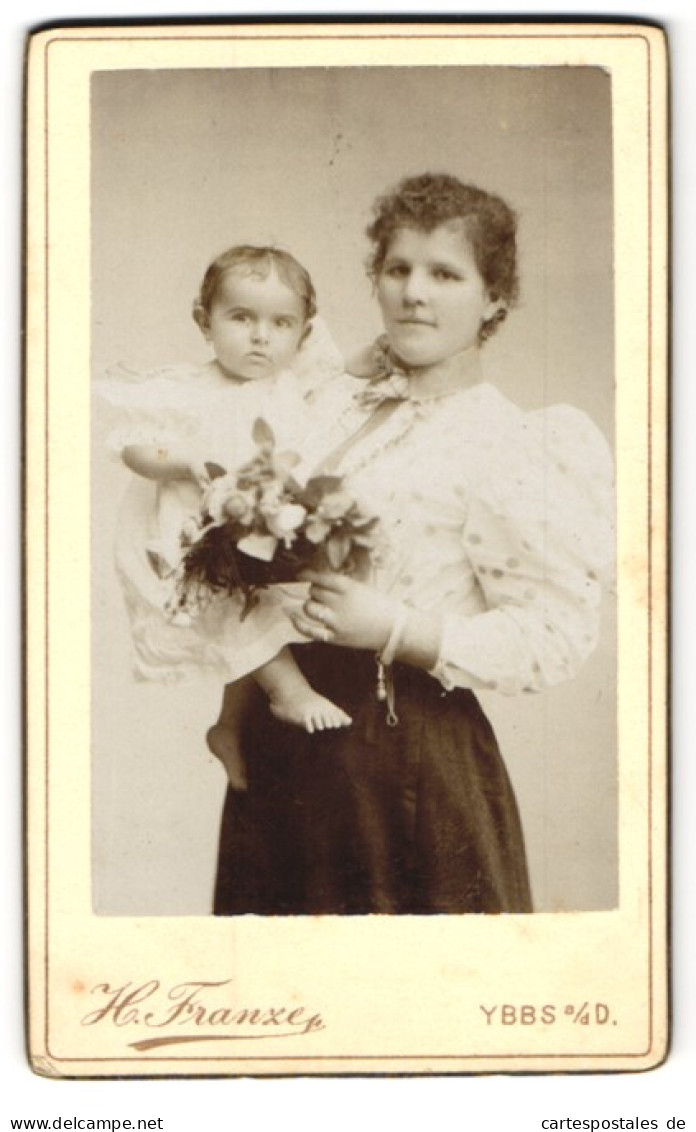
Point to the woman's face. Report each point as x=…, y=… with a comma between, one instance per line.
x=431, y=293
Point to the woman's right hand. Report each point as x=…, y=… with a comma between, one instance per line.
x=343, y=611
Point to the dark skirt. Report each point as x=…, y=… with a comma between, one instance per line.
x=419, y=818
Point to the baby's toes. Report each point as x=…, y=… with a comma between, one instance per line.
x=337, y=717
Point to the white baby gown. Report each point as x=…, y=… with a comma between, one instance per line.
x=199, y=410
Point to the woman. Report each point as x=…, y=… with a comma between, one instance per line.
x=496, y=526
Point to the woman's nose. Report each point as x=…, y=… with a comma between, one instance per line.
x=414, y=290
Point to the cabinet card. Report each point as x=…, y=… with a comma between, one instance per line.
x=150, y=150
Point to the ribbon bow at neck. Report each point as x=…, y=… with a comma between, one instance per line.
x=389, y=380
x=386, y=378
x=390, y=387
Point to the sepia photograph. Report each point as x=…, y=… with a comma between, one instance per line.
x=489, y=475
x=349, y=362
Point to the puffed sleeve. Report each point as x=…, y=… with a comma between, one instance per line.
x=154, y=407
x=318, y=360
x=539, y=535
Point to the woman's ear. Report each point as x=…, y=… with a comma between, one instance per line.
x=494, y=313
x=305, y=333
x=495, y=310
x=200, y=317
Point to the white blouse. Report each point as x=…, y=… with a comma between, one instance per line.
x=499, y=520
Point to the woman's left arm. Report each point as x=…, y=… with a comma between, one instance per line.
x=540, y=538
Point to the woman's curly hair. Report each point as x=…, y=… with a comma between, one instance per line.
x=426, y=201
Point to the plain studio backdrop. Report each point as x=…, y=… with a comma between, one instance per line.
x=187, y=163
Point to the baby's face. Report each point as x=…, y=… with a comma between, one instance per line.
x=255, y=325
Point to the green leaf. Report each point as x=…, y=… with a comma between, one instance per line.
x=319, y=486
x=159, y=564
x=337, y=550
x=214, y=470
x=324, y=484
x=262, y=433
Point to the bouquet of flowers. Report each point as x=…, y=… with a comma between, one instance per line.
x=258, y=526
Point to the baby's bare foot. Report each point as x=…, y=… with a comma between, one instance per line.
x=309, y=710
x=224, y=744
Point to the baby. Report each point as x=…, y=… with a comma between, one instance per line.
x=255, y=308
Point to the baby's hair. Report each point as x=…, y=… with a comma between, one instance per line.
x=251, y=260
x=425, y=202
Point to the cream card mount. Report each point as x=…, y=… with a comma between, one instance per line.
x=150, y=149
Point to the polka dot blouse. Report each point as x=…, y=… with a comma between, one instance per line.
x=498, y=520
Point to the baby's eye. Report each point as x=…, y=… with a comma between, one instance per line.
x=396, y=270
x=239, y=316
x=284, y=323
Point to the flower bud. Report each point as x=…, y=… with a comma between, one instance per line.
x=236, y=507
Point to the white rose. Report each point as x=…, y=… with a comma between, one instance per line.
x=286, y=520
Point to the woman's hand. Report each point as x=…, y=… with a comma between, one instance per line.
x=341, y=611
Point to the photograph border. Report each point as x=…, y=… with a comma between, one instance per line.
x=46, y=640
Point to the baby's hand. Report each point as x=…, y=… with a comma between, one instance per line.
x=162, y=463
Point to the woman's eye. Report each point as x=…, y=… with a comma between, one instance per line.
x=283, y=323
x=239, y=316
x=443, y=274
